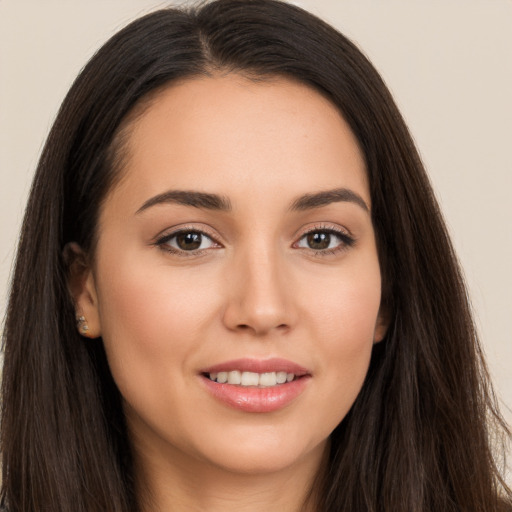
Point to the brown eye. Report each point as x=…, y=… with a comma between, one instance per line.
x=318, y=240
x=189, y=241
x=186, y=241
x=325, y=241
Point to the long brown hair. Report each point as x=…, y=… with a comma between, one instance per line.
x=419, y=436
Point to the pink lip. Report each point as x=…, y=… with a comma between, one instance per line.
x=258, y=366
x=253, y=399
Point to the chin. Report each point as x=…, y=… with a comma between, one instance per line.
x=264, y=452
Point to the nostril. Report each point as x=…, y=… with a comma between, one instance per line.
x=247, y=327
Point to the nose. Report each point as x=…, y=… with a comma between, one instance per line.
x=259, y=296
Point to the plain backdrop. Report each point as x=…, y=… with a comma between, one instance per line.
x=447, y=62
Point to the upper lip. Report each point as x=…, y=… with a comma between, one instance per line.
x=258, y=366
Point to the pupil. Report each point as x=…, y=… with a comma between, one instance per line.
x=319, y=240
x=188, y=241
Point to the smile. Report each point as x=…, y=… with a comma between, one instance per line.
x=256, y=386
x=261, y=380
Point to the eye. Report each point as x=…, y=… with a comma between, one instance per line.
x=328, y=240
x=186, y=241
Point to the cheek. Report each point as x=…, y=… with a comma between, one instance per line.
x=345, y=306
x=151, y=314
x=149, y=297
x=344, y=319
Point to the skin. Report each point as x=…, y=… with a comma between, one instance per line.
x=256, y=289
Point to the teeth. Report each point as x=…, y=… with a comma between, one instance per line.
x=250, y=379
x=262, y=380
x=268, y=379
x=234, y=377
x=281, y=377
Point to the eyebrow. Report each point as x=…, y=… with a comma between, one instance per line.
x=217, y=202
x=324, y=198
x=189, y=198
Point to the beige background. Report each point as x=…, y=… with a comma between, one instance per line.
x=448, y=63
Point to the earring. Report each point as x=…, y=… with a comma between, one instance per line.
x=82, y=325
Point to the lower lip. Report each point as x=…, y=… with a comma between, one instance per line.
x=253, y=399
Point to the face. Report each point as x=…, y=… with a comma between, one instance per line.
x=236, y=283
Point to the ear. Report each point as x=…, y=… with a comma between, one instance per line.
x=83, y=291
x=381, y=327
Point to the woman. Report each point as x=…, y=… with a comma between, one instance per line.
x=245, y=295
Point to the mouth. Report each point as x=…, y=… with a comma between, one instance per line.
x=252, y=379
x=253, y=385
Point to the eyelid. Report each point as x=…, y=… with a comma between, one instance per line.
x=347, y=240
x=323, y=226
x=346, y=237
x=180, y=228
x=168, y=234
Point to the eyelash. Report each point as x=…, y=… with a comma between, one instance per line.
x=163, y=242
x=346, y=241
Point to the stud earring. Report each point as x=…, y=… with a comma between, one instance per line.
x=82, y=325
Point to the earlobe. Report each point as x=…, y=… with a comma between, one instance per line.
x=82, y=288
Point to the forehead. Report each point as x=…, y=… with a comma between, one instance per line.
x=230, y=135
